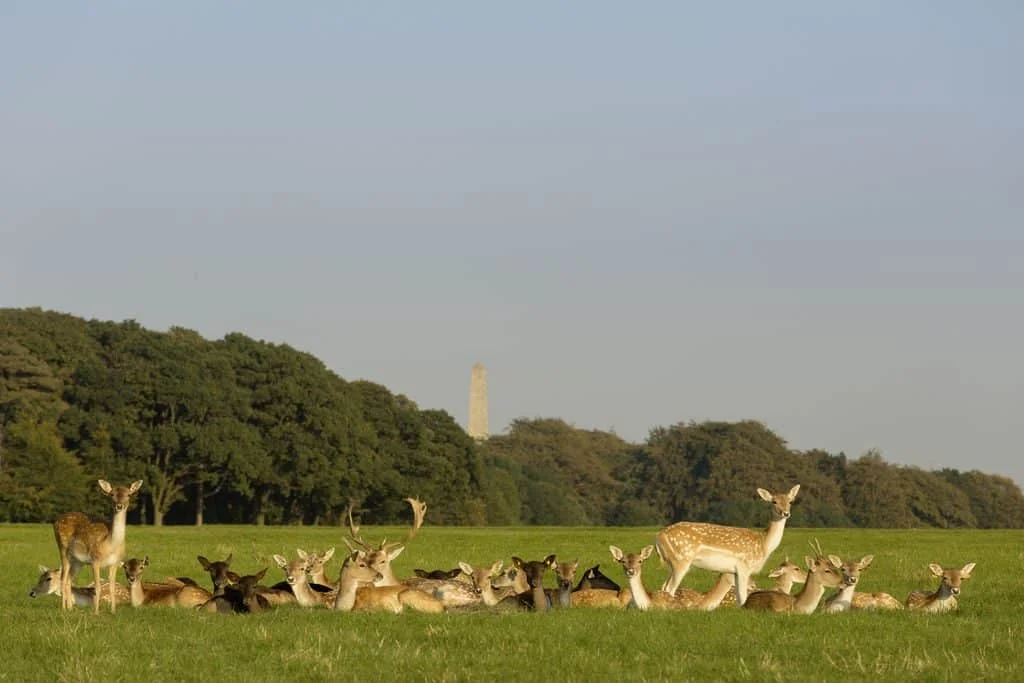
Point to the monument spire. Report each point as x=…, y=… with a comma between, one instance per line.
x=478, y=428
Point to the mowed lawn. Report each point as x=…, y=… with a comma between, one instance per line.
x=984, y=640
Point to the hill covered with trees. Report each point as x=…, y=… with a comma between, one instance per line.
x=244, y=431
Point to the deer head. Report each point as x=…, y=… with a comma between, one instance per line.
x=951, y=578
x=781, y=502
x=380, y=557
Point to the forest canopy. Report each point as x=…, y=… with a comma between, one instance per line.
x=239, y=430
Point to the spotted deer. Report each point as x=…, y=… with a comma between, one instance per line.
x=822, y=573
x=84, y=540
x=160, y=594
x=315, y=568
x=850, y=572
x=357, y=591
x=49, y=584
x=724, y=549
x=480, y=580
x=944, y=599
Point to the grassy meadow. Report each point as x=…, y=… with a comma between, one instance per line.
x=984, y=640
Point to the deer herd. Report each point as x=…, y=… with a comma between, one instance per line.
x=366, y=581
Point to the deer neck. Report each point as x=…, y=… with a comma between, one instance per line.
x=321, y=578
x=487, y=595
x=773, y=536
x=304, y=595
x=784, y=583
x=345, y=600
x=387, y=577
x=540, y=598
x=640, y=596
x=810, y=596
x=843, y=599
x=565, y=596
x=136, y=594
x=118, y=528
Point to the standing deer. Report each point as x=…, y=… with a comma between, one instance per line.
x=723, y=549
x=380, y=558
x=945, y=598
x=84, y=540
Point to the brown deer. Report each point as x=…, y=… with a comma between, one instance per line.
x=822, y=573
x=875, y=601
x=724, y=549
x=786, y=574
x=161, y=595
x=481, y=583
x=84, y=540
x=850, y=572
x=315, y=568
x=219, y=572
x=380, y=558
x=945, y=598
x=49, y=584
x=296, y=573
x=533, y=573
x=357, y=592
x=594, y=579
x=565, y=575
x=638, y=596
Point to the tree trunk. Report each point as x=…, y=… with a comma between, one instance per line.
x=158, y=516
x=199, y=503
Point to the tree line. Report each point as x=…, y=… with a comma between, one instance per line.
x=238, y=430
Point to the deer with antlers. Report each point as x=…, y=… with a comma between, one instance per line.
x=358, y=591
x=723, y=549
x=84, y=540
x=822, y=572
x=379, y=558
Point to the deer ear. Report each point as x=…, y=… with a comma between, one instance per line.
x=261, y=574
x=281, y=561
x=233, y=577
x=836, y=562
x=227, y=560
x=396, y=552
x=136, y=485
x=793, y=491
x=809, y=561
x=550, y=560
x=203, y=562
x=616, y=553
x=866, y=561
x=43, y=569
x=935, y=569
x=646, y=552
x=466, y=569
x=765, y=494
x=105, y=486
x=495, y=568
x=517, y=562
x=329, y=554
x=302, y=554
x=965, y=573
x=145, y=561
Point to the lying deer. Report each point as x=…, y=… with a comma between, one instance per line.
x=315, y=568
x=945, y=598
x=527, y=600
x=822, y=573
x=296, y=574
x=164, y=595
x=594, y=579
x=786, y=574
x=241, y=597
x=354, y=595
x=850, y=572
x=49, y=584
x=638, y=596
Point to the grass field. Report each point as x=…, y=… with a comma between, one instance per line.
x=982, y=641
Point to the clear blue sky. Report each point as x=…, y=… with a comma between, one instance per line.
x=634, y=214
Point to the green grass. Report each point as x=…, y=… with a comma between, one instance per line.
x=982, y=641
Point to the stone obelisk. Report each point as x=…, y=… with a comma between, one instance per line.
x=478, y=402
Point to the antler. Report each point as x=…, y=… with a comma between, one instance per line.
x=816, y=547
x=419, y=511
x=353, y=531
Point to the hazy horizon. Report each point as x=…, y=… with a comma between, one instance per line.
x=634, y=216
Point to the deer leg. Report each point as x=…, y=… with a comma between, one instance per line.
x=676, y=577
x=96, y=587
x=742, y=578
x=714, y=596
x=113, y=593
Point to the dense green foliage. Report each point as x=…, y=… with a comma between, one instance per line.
x=980, y=642
x=244, y=431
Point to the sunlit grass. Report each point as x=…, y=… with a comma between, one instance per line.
x=982, y=641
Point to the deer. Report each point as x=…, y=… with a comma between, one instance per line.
x=85, y=540
x=638, y=596
x=944, y=599
x=524, y=600
x=481, y=582
x=565, y=575
x=358, y=590
x=315, y=568
x=723, y=549
x=296, y=573
x=438, y=574
x=380, y=558
x=49, y=584
x=822, y=572
x=240, y=598
x=162, y=595
x=594, y=579
x=786, y=574
x=850, y=572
